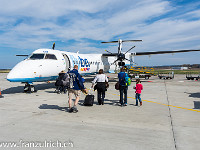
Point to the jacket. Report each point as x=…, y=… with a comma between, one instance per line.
x=121, y=77
x=77, y=82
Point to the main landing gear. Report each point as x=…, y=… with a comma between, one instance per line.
x=29, y=88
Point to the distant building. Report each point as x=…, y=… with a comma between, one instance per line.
x=180, y=68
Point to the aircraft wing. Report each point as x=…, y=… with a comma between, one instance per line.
x=107, y=54
x=163, y=52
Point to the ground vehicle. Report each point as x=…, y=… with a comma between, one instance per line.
x=190, y=77
x=169, y=75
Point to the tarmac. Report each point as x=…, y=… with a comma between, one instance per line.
x=169, y=118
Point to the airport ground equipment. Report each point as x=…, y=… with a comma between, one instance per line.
x=189, y=76
x=140, y=72
x=169, y=75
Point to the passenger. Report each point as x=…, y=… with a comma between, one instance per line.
x=102, y=81
x=122, y=87
x=138, y=90
x=62, y=82
x=76, y=89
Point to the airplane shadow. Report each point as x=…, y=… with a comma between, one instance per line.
x=20, y=89
x=46, y=106
x=196, y=105
x=195, y=95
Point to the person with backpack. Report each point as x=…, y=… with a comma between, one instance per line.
x=62, y=82
x=123, y=86
x=138, y=89
x=76, y=85
x=101, y=80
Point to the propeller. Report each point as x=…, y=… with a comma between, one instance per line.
x=120, y=56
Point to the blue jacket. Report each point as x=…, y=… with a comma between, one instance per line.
x=121, y=77
x=78, y=82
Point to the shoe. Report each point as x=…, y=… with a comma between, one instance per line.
x=71, y=110
x=102, y=103
x=75, y=110
x=125, y=104
x=136, y=104
x=140, y=103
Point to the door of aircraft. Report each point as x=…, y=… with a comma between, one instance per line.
x=67, y=62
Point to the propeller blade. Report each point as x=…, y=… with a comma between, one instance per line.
x=132, y=41
x=108, y=51
x=129, y=50
x=110, y=42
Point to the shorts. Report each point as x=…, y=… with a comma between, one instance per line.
x=77, y=93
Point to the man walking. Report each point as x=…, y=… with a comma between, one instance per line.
x=123, y=88
x=76, y=89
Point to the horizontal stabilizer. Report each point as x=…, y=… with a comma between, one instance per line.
x=163, y=52
x=123, y=41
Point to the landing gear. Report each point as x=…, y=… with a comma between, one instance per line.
x=29, y=88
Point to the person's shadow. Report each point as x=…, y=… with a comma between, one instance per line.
x=46, y=106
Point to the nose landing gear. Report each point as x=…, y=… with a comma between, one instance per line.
x=29, y=88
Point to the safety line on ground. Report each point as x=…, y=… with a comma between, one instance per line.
x=162, y=104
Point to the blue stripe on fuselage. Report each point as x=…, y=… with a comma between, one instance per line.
x=30, y=80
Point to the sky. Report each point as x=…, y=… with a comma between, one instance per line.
x=81, y=25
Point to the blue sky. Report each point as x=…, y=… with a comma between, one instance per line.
x=80, y=25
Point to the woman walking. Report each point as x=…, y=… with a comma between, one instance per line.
x=101, y=80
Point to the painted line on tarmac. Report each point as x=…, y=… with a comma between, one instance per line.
x=162, y=104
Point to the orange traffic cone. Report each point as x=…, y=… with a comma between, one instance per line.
x=0, y=94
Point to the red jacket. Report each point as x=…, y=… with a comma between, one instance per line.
x=138, y=88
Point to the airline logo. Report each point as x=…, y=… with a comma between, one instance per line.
x=83, y=64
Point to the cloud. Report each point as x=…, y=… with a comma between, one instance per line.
x=161, y=24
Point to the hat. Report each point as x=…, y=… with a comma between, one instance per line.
x=63, y=71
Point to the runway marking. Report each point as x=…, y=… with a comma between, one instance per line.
x=163, y=104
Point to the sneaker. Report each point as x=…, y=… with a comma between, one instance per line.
x=125, y=104
x=75, y=110
x=71, y=110
x=140, y=103
x=136, y=104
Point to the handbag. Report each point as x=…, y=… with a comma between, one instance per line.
x=107, y=85
x=117, y=86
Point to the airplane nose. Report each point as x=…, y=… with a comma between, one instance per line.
x=19, y=73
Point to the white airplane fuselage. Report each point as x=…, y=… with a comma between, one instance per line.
x=45, y=64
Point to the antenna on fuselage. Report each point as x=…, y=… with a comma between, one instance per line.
x=53, y=46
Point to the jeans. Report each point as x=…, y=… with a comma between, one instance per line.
x=137, y=97
x=123, y=94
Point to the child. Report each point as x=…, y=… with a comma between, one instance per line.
x=138, y=89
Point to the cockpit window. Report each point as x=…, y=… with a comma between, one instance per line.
x=50, y=56
x=37, y=56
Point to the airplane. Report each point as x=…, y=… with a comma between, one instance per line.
x=45, y=64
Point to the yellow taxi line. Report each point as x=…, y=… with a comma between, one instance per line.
x=163, y=104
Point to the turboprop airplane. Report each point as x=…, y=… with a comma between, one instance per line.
x=45, y=64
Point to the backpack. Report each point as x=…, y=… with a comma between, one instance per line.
x=72, y=78
x=62, y=80
x=127, y=81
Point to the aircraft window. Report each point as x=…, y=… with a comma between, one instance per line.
x=37, y=56
x=50, y=56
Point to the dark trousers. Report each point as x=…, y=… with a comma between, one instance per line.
x=123, y=94
x=101, y=96
x=101, y=88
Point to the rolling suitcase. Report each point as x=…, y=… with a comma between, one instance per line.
x=89, y=100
